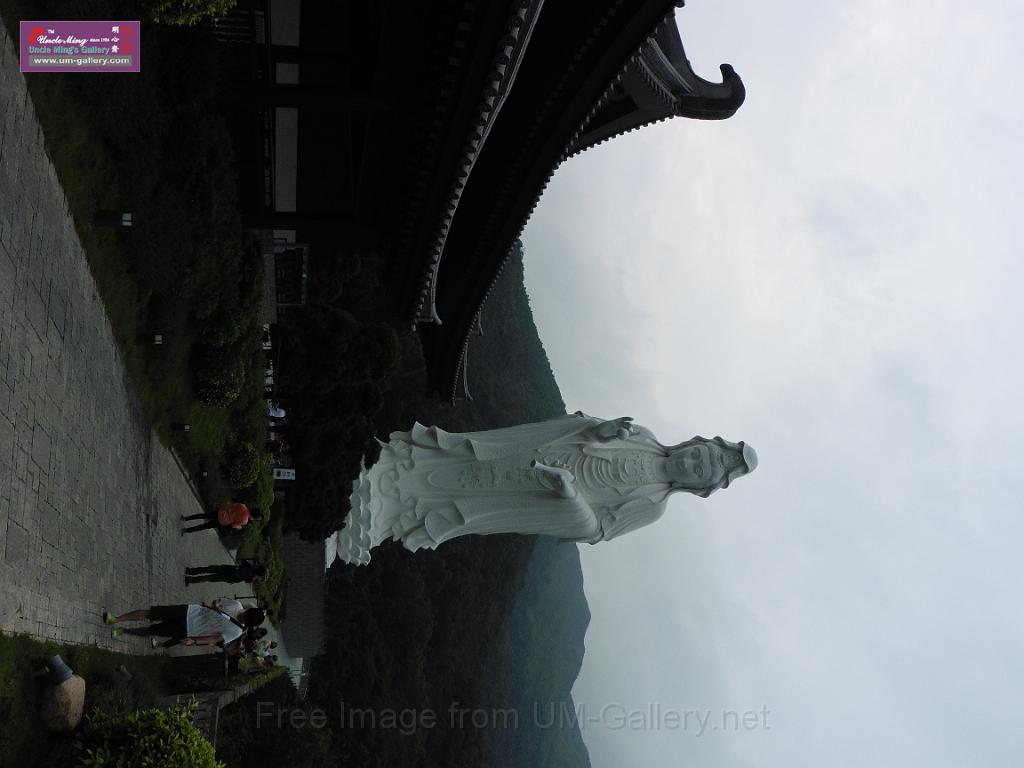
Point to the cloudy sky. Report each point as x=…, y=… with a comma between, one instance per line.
x=834, y=276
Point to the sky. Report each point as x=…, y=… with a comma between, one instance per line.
x=832, y=275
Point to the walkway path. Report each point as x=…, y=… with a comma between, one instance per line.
x=89, y=499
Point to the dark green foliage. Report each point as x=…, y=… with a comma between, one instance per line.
x=242, y=466
x=417, y=633
x=542, y=651
x=224, y=328
x=331, y=350
x=510, y=377
x=260, y=494
x=331, y=377
x=187, y=13
x=231, y=353
x=251, y=734
x=149, y=737
x=220, y=376
x=22, y=738
x=228, y=309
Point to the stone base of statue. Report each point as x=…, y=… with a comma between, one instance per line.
x=576, y=477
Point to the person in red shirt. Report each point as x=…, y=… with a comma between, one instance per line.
x=230, y=514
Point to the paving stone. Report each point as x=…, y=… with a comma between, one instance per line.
x=16, y=546
x=57, y=309
x=5, y=503
x=79, y=469
x=40, y=448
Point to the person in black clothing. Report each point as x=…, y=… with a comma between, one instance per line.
x=243, y=570
x=252, y=637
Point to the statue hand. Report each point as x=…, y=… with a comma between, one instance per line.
x=562, y=478
x=620, y=429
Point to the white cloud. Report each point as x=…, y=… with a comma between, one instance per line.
x=832, y=275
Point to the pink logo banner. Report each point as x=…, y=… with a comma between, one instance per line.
x=80, y=46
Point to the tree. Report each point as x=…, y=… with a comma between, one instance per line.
x=188, y=13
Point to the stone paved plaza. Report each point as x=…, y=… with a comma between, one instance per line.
x=89, y=498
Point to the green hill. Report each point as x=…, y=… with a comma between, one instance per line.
x=541, y=656
x=509, y=375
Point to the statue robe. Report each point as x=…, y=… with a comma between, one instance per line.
x=430, y=486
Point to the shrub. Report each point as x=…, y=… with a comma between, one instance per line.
x=242, y=466
x=220, y=376
x=258, y=681
x=222, y=388
x=261, y=494
x=374, y=353
x=224, y=329
x=150, y=737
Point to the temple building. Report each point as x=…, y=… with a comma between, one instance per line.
x=427, y=132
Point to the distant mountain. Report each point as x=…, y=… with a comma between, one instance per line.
x=541, y=655
x=509, y=374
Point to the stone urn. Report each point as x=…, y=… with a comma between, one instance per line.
x=62, y=699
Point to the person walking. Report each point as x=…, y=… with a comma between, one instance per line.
x=236, y=610
x=230, y=514
x=252, y=637
x=244, y=569
x=192, y=624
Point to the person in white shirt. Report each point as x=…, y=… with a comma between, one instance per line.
x=230, y=606
x=192, y=624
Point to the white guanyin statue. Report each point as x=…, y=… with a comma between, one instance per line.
x=576, y=477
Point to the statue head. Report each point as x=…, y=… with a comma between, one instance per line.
x=702, y=466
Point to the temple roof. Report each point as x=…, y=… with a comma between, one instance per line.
x=655, y=84
x=498, y=83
